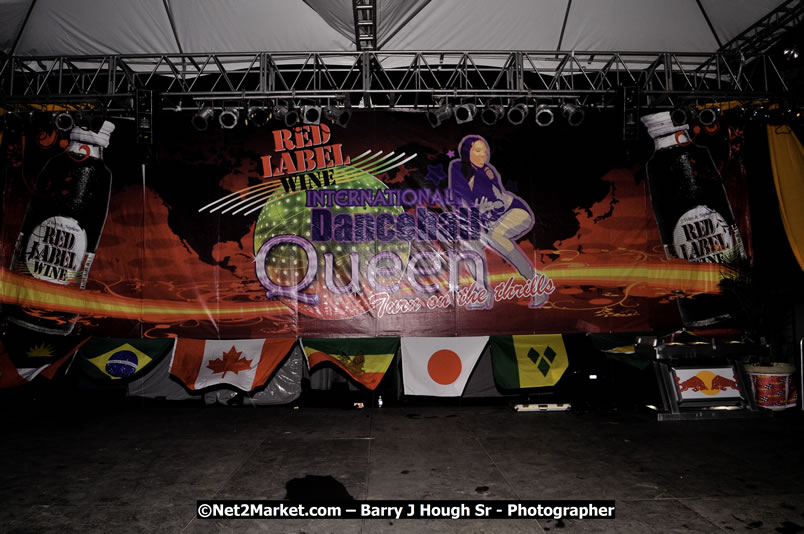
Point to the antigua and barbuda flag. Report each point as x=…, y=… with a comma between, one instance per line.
x=439, y=366
x=364, y=359
x=243, y=363
x=528, y=361
x=105, y=358
x=24, y=355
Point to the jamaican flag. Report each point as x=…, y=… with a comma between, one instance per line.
x=528, y=361
x=364, y=359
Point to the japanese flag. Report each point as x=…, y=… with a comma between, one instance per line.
x=439, y=366
x=242, y=363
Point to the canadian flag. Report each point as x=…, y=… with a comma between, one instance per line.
x=439, y=366
x=242, y=363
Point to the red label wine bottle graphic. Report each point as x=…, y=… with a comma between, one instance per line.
x=63, y=225
x=692, y=210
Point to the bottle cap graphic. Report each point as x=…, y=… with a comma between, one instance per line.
x=101, y=138
x=659, y=124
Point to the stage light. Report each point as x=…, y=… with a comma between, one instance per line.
x=544, y=115
x=258, y=116
x=289, y=116
x=228, y=118
x=311, y=114
x=491, y=114
x=518, y=113
x=465, y=113
x=202, y=117
x=682, y=115
x=574, y=114
x=790, y=53
x=63, y=121
x=437, y=116
x=708, y=116
x=759, y=114
x=337, y=116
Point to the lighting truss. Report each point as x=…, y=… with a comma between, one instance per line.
x=365, y=17
x=399, y=79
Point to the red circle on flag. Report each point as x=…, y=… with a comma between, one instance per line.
x=444, y=367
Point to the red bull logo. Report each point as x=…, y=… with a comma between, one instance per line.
x=708, y=383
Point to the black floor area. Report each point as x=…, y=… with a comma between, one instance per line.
x=140, y=466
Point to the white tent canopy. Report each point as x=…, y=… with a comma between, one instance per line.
x=92, y=27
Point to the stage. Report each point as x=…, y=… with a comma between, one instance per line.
x=135, y=465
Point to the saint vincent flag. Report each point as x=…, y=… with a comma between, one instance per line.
x=109, y=358
x=528, y=361
x=364, y=359
x=243, y=363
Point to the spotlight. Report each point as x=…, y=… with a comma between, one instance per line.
x=739, y=113
x=258, y=115
x=790, y=53
x=338, y=116
x=202, y=117
x=228, y=118
x=289, y=116
x=311, y=114
x=759, y=114
x=436, y=117
x=465, y=113
x=544, y=115
x=517, y=113
x=63, y=121
x=573, y=114
x=708, y=116
x=682, y=115
x=491, y=114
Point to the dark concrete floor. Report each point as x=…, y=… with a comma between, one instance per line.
x=140, y=467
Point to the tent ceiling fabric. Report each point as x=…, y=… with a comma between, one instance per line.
x=253, y=26
x=87, y=27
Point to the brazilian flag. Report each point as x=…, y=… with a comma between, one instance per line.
x=104, y=358
x=528, y=361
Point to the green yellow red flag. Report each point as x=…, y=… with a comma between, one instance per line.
x=528, y=361
x=364, y=359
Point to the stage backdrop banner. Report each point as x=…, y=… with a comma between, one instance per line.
x=385, y=228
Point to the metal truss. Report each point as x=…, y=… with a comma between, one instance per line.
x=365, y=18
x=761, y=36
x=380, y=79
x=766, y=32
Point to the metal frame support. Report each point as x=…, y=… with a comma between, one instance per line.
x=365, y=17
x=395, y=79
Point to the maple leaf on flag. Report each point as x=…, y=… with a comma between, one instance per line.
x=231, y=361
